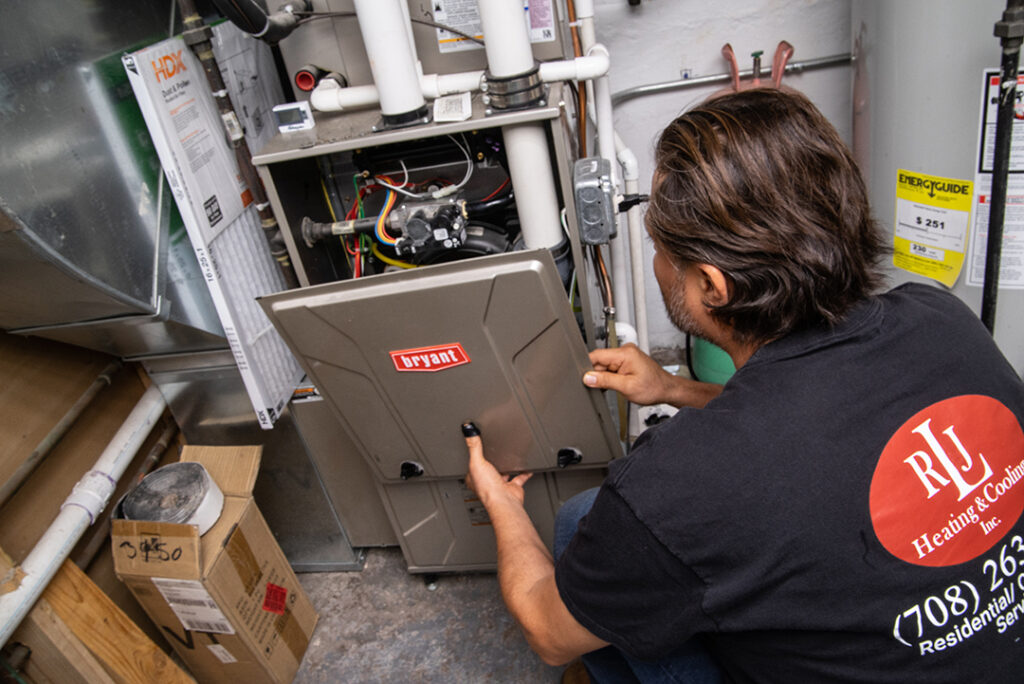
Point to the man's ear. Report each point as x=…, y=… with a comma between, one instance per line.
x=714, y=286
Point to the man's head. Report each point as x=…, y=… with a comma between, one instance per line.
x=759, y=185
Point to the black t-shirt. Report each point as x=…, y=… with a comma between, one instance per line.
x=848, y=509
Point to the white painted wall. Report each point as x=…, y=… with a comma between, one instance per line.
x=655, y=41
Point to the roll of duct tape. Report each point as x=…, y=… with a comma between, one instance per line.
x=176, y=493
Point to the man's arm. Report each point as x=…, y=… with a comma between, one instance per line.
x=640, y=379
x=526, y=571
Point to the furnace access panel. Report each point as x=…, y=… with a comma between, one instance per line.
x=405, y=358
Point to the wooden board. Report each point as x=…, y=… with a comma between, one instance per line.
x=58, y=656
x=39, y=381
x=77, y=634
x=30, y=395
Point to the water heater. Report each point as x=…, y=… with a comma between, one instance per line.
x=923, y=134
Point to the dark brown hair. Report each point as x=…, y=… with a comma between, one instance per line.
x=759, y=184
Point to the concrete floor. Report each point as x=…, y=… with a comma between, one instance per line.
x=384, y=625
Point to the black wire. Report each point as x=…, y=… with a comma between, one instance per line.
x=310, y=16
x=449, y=29
x=575, y=94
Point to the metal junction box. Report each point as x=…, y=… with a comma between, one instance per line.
x=405, y=358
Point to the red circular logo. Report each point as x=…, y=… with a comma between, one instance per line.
x=950, y=482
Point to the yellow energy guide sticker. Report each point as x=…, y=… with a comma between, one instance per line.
x=932, y=218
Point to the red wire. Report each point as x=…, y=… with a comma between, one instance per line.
x=496, y=191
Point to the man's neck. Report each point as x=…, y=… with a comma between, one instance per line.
x=740, y=353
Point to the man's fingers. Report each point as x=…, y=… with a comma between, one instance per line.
x=603, y=380
x=475, y=446
x=606, y=358
x=521, y=478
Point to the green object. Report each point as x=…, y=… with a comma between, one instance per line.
x=711, y=363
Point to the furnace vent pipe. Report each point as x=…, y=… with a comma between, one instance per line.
x=506, y=40
x=509, y=54
x=526, y=146
x=331, y=96
x=86, y=501
x=386, y=35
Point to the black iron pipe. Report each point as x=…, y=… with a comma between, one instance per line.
x=1010, y=30
x=254, y=20
x=43, y=449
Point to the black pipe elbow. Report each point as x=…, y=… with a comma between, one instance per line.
x=249, y=16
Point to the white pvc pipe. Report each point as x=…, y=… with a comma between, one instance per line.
x=585, y=17
x=529, y=164
x=618, y=245
x=626, y=333
x=87, y=500
x=407, y=23
x=329, y=96
x=506, y=38
x=579, y=69
x=509, y=53
x=439, y=85
x=386, y=36
x=634, y=224
x=605, y=120
x=600, y=91
x=636, y=252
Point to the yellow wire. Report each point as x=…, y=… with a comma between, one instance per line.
x=334, y=217
x=388, y=260
x=327, y=198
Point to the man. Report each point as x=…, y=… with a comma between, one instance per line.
x=848, y=507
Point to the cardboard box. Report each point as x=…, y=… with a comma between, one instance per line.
x=228, y=602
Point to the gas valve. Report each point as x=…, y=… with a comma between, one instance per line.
x=428, y=227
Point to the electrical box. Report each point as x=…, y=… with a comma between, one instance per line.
x=595, y=200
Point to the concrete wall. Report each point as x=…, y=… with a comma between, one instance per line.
x=659, y=39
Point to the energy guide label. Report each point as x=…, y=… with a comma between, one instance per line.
x=932, y=220
x=193, y=605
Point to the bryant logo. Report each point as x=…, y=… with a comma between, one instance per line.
x=429, y=359
x=167, y=66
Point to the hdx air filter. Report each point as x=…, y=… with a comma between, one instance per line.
x=176, y=493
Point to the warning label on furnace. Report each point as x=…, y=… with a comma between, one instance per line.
x=932, y=221
x=475, y=510
x=464, y=17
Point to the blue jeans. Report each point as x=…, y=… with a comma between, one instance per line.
x=690, y=664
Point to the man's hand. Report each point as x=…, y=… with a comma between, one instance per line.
x=484, y=479
x=640, y=379
x=631, y=373
x=526, y=571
